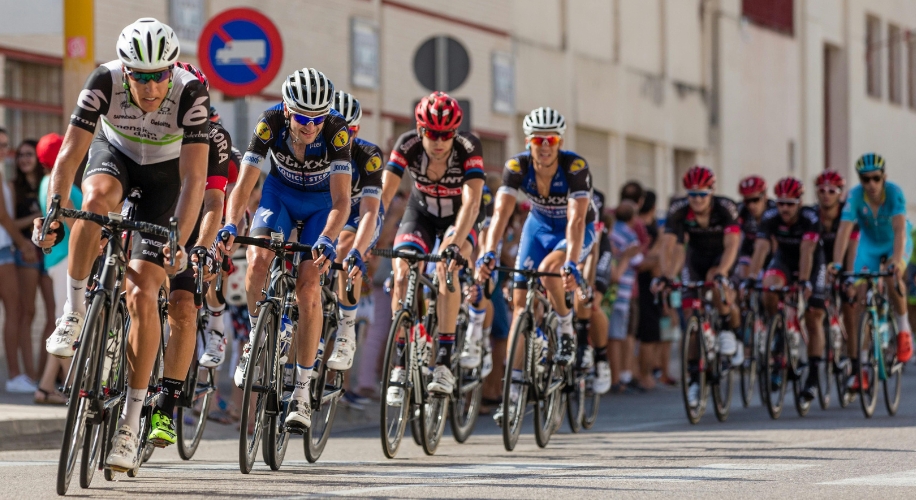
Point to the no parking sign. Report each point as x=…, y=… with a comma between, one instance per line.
x=240, y=51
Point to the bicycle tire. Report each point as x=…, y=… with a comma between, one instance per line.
x=575, y=400
x=748, y=370
x=393, y=432
x=122, y=319
x=433, y=408
x=825, y=370
x=776, y=353
x=693, y=336
x=512, y=419
x=592, y=400
x=248, y=443
x=868, y=368
x=75, y=426
x=317, y=434
x=277, y=438
x=465, y=407
x=801, y=372
x=893, y=381
x=547, y=405
x=188, y=436
x=721, y=387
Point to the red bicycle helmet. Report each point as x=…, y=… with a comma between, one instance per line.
x=830, y=178
x=789, y=188
x=438, y=112
x=752, y=184
x=194, y=71
x=699, y=177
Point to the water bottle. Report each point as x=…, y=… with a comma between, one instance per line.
x=286, y=337
x=794, y=337
x=883, y=330
x=836, y=334
x=674, y=299
x=710, y=339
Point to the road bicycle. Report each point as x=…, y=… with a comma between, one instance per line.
x=753, y=333
x=786, y=352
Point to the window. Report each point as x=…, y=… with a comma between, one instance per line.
x=911, y=68
x=873, y=56
x=32, y=98
x=777, y=15
x=894, y=64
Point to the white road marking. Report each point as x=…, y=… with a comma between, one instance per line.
x=902, y=478
x=692, y=474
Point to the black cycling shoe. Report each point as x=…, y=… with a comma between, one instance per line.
x=810, y=390
x=567, y=352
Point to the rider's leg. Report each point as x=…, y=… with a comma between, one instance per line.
x=814, y=321
x=344, y=346
x=898, y=301
x=448, y=305
x=308, y=292
x=258, y=264
x=180, y=349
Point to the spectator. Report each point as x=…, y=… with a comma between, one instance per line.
x=648, y=330
x=15, y=343
x=56, y=263
x=626, y=250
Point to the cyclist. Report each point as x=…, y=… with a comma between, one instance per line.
x=304, y=147
x=154, y=136
x=447, y=169
x=708, y=223
x=879, y=208
x=795, y=229
x=559, y=231
x=182, y=311
x=362, y=229
x=754, y=204
x=479, y=307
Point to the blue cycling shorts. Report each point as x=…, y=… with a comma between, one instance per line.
x=869, y=253
x=353, y=222
x=539, y=239
x=282, y=206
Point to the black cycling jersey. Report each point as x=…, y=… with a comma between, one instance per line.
x=367, y=171
x=706, y=241
x=749, y=227
x=439, y=198
x=828, y=234
x=572, y=180
x=789, y=238
x=605, y=260
x=328, y=154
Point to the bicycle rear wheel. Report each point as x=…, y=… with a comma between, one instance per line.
x=868, y=365
x=748, y=369
x=592, y=400
x=514, y=411
x=256, y=387
x=693, y=341
x=395, y=411
x=316, y=437
x=721, y=386
x=199, y=391
x=575, y=399
x=465, y=405
x=825, y=369
x=548, y=386
x=776, y=368
x=893, y=381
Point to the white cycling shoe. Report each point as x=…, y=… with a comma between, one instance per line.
x=239, y=376
x=443, y=381
x=342, y=357
x=68, y=330
x=300, y=415
x=602, y=382
x=124, y=456
x=470, y=355
x=728, y=344
x=395, y=396
x=215, y=352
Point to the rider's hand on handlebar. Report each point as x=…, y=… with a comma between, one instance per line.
x=359, y=267
x=807, y=289
x=324, y=252
x=485, y=266
x=453, y=252
x=226, y=237
x=181, y=260
x=207, y=264
x=571, y=276
x=659, y=284
x=56, y=226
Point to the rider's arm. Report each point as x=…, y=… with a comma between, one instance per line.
x=502, y=213
x=850, y=264
x=732, y=238
x=672, y=237
x=241, y=192
x=213, y=213
x=668, y=242
x=368, y=220
x=842, y=240
x=76, y=144
x=467, y=214
x=390, y=183
x=340, y=205
x=575, y=228
x=806, y=258
x=192, y=168
x=899, y=224
x=762, y=248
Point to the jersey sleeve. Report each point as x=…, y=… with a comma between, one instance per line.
x=473, y=163
x=811, y=224
x=194, y=112
x=397, y=162
x=896, y=200
x=513, y=174
x=268, y=127
x=337, y=137
x=93, y=101
x=767, y=224
x=372, y=185
x=219, y=159
x=849, y=209
x=730, y=215
x=579, y=179
x=674, y=222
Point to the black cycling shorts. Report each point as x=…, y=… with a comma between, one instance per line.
x=159, y=185
x=696, y=267
x=420, y=230
x=789, y=273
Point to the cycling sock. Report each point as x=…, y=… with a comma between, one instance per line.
x=903, y=322
x=516, y=389
x=475, y=328
x=582, y=334
x=133, y=407
x=76, y=295
x=347, y=321
x=813, y=365
x=171, y=390
x=565, y=327
x=216, y=317
x=303, y=378
x=253, y=319
x=446, y=343
x=601, y=354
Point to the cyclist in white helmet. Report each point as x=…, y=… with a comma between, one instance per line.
x=154, y=136
x=303, y=144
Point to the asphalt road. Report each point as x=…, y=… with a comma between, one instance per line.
x=641, y=447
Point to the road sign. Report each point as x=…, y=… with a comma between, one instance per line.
x=240, y=51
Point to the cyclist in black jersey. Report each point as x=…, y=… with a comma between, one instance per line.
x=795, y=230
x=154, y=136
x=479, y=306
x=753, y=191
x=362, y=229
x=708, y=224
x=447, y=171
x=303, y=146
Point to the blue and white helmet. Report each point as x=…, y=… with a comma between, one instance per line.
x=544, y=120
x=308, y=91
x=148, y=45
x=349, y=107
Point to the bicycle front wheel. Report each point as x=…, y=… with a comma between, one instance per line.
x=316, y=436
x=592, y=400
x=748, y=369
x=395, y=393
x=775, y=366
x=893, y=380
x=519, y=353
x=201, y=389
x=465, y=405
x=721, y=386
x=549, y=384
x=693, y=369
x=256, y=388
x=868, y=364
x=825, y=368
x=575, y=399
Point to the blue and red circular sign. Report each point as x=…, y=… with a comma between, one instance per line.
x=240, y=51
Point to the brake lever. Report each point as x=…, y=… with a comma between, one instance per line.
x=351, y=262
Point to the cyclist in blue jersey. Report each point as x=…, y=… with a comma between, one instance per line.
x=304, y=147
x=879, y=208
x=559, y=231
x=362, y=229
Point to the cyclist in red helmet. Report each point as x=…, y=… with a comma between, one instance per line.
x=798, y=258
x=709, y=226
x=446, y=166
x=753, y=191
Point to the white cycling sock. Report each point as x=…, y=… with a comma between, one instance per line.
x=76, y=295
x=903, y=322
x=303, y=378
x=476, y=317
x=216, y=322
x=347, y=321
x=133, y=407
x=566, y=327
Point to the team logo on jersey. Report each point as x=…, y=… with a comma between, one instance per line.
x=263, y=131
x=341, y=138
x=373, y=164
x=487, y=198
x=577, y=165
x=513, y=165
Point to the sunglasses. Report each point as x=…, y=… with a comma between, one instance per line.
x=755, y=199
x=438, y=136
x=829, y=190
x=353, y=130
x=305, y=120
x=155, y=76
x=698, y=194
x=865, y=179
x=540, y=140
x=787, y=202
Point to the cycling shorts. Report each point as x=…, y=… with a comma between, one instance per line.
x=696, y=268
x=419, y=230
x=870, y=253
x=789, y=274
x=159, y=186
x=282, y=207
x=539, y=240
x=353, y=223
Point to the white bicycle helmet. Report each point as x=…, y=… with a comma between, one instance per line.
x=544, y=120
x=148, y=45
x=349, y=107
x=308, y=91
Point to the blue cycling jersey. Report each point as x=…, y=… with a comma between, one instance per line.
x=876, y=228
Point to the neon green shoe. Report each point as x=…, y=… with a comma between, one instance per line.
x=163, y=429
